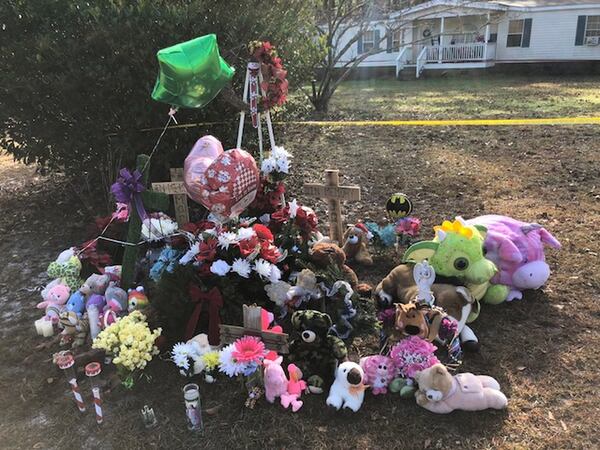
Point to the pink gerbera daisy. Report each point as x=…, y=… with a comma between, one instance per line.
x=248, y=349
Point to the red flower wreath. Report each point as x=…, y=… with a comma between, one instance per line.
x=275, y=84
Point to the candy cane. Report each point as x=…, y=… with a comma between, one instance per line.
x=97, y=405
x=77, y=394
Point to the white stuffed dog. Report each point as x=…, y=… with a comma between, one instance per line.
x=348, y=389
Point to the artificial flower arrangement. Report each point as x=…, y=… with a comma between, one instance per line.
x=130, y=343
x=270, y=194
x=411, y=355
x=275, y=83
x=402, y=232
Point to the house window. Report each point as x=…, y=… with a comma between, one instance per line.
x=368, y=41
x=592, y=26
x=515, y=33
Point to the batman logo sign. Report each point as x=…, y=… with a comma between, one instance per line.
x=398, y=206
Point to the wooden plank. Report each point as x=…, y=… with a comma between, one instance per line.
x=182, y=212
x=171, y=188
x=273, y=341
x=348, y=193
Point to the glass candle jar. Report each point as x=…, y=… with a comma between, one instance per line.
x=193, y=409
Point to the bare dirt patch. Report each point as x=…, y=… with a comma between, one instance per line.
x=543, y=349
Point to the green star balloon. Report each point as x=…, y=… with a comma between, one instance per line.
x=191, y=73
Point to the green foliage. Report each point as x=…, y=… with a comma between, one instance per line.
x=76, y=76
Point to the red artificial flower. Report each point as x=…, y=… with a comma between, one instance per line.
x=270, y=253
x=248, y=246
x=198, y=227
x=281, y=215
x=263, y=233
x=409, y=226
x=208, y=250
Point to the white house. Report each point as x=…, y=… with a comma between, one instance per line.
x=458, y=34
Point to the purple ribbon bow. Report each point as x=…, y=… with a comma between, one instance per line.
x=128, y=189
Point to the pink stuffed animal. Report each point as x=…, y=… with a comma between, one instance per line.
x=275, y=380
x=517, y=249
x=57, y=295
x=442, y=393
x=294, y=389
x=379, y=372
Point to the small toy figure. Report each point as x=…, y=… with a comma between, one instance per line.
x=442, y=393
x=348, y=389
x=75, y=329
x=137, y=299
x=275, y=380
x=356, y=239
x=295, y=387
x=379, y=371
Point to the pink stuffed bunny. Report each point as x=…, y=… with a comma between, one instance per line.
x=295, y=387
x=275, y=380
x=58, y=295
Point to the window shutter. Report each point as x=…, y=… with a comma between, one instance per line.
x=581, y=22
x=359, y=44
x=377, y=39
x=389, y=42
x=526, y=33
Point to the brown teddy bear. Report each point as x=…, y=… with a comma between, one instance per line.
x=325, y=253
x=442, y=393
x=356, y=239
x=399, y=287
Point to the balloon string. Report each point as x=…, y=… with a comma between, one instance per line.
x=172, y=112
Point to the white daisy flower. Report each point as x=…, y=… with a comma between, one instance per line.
x=275, y=274
x=220, y=267
x=245, y=233
x=180, y=354
x=226, y=363
x=268, y=165
x=262, y=268
x=226, y=239
x=280, y=153
x=241, y=267
x=283, y=165
x=293, y=208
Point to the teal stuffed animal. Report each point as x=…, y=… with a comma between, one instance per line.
x=66, y=268
x=457, y=252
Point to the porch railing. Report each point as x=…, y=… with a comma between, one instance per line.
x=456, y=53
x=421, y=61
x=402, y=59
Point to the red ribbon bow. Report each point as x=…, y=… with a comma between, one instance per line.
x=215, y=302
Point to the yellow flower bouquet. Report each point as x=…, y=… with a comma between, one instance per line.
x=131, y=344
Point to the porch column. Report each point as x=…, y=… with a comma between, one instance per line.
x=441, y=40
x=487, y=37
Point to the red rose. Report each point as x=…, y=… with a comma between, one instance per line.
x=270, y=253
x=248, y=246
x=263, y=233
x=208, y=250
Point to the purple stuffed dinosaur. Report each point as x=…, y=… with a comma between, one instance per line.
x=517, y=249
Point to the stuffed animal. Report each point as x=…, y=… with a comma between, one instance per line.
x=348, y=389
x=399, y=286
x=275, y=379
x=115, y=293
x=66, y=268
x=306, y=288
x=355, y=248
x=137, y=299
x=95, y=284
x=379, y=371
x=442, y=393
x=54, y=301
x=200, y=346
x=76, y=303
x=324, y=254
x=414, y=319
x=97, y=301
x=457, y=252
x=517, y=249
x=295, y=387
x=314, y=350
x=75, y=329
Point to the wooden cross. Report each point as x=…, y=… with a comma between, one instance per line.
x=333, y=193
x=152, y=200
x=176, y=188
x=253, y=327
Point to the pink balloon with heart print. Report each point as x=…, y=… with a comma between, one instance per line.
x=229, y=184
x=205, y=151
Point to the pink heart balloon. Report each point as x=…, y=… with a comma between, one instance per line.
x=205, y=151
x=229, y=184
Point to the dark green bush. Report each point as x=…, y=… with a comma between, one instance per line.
x=76, y=76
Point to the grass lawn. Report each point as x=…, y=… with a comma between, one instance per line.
x=465, y=97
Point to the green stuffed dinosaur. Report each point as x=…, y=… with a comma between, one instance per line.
x=457, y=251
